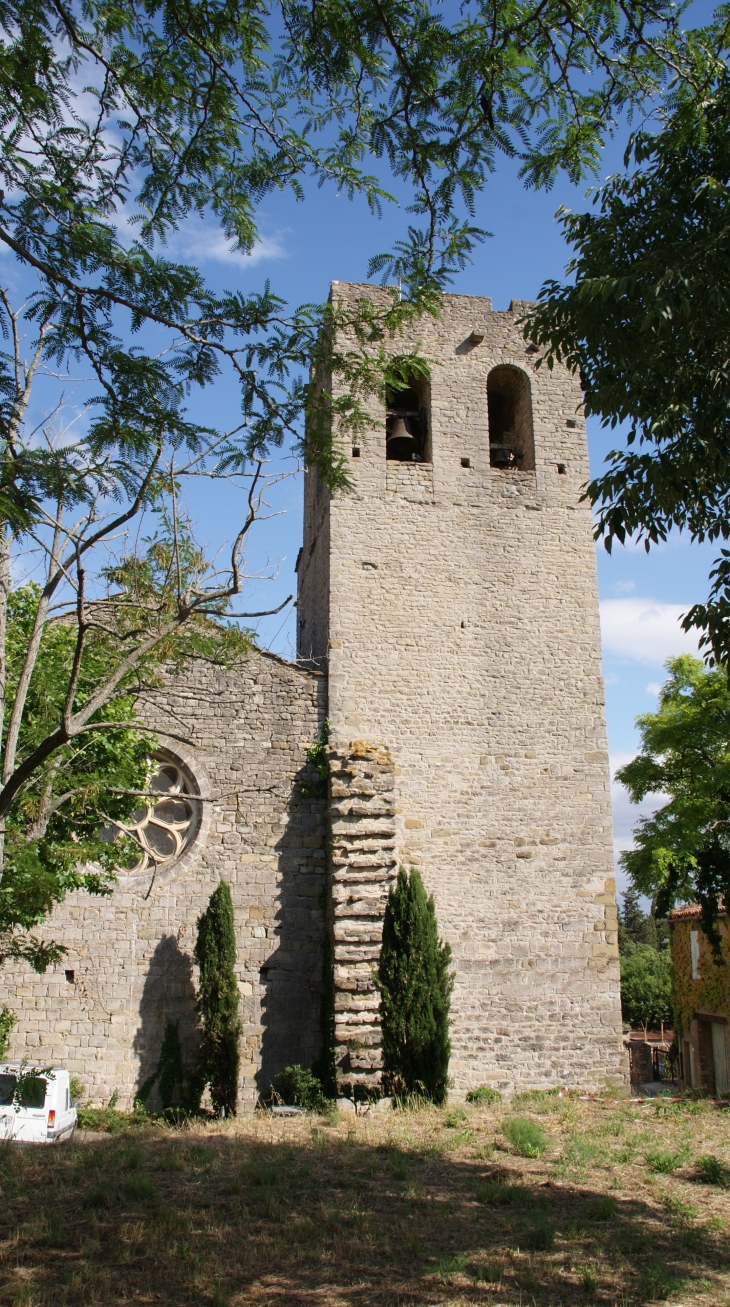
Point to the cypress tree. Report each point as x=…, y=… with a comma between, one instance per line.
x=632, y=916
x=215, y=954
x=415, y=992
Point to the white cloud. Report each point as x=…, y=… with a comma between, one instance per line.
x=645, y=629
x=202, y=241
x=622, y=588
x=206, y=246
x=653, y=688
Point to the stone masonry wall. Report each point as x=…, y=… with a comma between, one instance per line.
x=243, y=735
x=461, y=618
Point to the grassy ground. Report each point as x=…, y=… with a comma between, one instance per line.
x=407, y=1208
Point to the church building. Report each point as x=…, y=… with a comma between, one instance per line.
x=448, y=631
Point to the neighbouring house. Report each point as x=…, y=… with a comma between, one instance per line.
x=702, y=1001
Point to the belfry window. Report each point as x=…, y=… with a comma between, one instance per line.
x=407, y=420
x=509, y=406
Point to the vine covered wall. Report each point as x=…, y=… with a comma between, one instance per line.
x=710, y=993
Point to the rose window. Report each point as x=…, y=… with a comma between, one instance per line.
x=162, y=828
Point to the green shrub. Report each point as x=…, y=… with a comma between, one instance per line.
x=415, y=986
x=399, y=1168
x=713, y=1171
x=455, y=1117
x=526, y=1137
x=656, y=1282
x=98, y=1196
x=76, y=1088
x=259, y=1175
x=448, y=1265
x=663, y=1161
x=599, y=1209
x=139, y=1189
x=7, y=1022
x=215, y=954
x=646, y=985
x=536, y=1097
x=493, y=1194
x=487, y=1273
x=298, y=1087
x=109, y=1120
x=483, y=1095
x=539, y=1236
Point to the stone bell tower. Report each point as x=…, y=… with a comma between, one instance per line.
x=451, y=596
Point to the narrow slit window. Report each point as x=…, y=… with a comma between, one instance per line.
x=509, y=407
x=407, y=420
x=694, y=949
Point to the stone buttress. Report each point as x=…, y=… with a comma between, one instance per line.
x=362, y=862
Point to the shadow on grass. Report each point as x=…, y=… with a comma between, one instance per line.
x=319, y=1217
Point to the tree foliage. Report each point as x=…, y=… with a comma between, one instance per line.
x=638, y=927
x=646, y=985
x=415, y=992
x=298, y=1087
x=75, y=760
x=215, y=954
x=8, y=1021
x=682, y=851
x=646, y=965
x=645, y=319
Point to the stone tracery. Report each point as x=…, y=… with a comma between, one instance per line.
x=163, y=827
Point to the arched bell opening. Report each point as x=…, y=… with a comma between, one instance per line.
x=407, y=411
x=509, y=406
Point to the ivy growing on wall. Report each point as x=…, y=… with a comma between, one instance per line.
x=711, y=993
x=7, y=1021
x=315, y=787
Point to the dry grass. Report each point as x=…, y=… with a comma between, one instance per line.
x=413, y=1208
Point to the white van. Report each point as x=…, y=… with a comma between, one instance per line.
x=43, y=1112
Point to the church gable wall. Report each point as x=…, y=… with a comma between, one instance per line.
x=243, y=735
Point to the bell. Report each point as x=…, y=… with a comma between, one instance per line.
x=400, y=444
x=399, y=430
x=504, y=455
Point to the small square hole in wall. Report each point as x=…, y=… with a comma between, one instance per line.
x=562, y=469
x=71, y=977
x=571, y=422
x=356, y=451
x=466, y=462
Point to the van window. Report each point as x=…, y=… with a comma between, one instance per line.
x=33, y=1092
x=7, y=1089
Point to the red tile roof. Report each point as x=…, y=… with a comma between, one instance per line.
x=686, y=910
